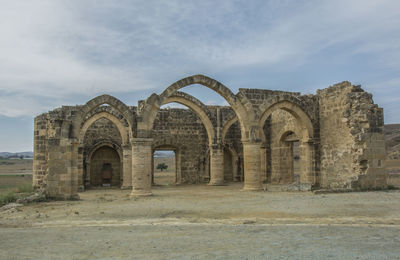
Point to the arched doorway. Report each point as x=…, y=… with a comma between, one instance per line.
x=105, y=167
x=288, y=155
x=288, y=148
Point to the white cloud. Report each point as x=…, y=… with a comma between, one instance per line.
x=54, y=49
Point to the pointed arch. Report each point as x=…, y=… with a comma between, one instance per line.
x=123, y=131
x=304, y=121
x=98, y=101
x=237, y=102
x=198, y=107
x=226, y=127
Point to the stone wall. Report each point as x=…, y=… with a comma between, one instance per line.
x=181, y=130
x=352, y=140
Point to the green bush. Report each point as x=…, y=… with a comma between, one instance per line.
x=7, y=197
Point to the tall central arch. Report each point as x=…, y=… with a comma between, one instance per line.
x=147, y=112
x=154, y=103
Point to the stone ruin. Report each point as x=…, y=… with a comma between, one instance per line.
x=331, y=140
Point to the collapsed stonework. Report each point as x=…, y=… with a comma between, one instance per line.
x=331, y=140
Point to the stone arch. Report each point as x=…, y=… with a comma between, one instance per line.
x=153, y=103
x=286, y=131
x=110, y=144
x=226, y=127
x=198, y=107
x=98, y=101
x=125, y=134
x=302, y=118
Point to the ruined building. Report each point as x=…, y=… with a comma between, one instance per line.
x=334, y=137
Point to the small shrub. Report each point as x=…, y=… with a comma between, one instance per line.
x=7, y=198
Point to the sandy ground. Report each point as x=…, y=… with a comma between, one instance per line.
x=202, y=222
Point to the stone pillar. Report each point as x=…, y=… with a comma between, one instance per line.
x=263, y=163
x=216, y=165
x=252, y=166
x=141, y=167
x=73, y=170
x=307, y=175
x=126, y=167
x=81, y=174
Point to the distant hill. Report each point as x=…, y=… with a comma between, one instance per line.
x=392, y=136
x=16, y=155
x=164, y=154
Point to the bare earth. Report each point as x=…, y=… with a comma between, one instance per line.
x=202, y=222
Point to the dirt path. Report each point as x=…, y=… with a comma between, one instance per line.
x=206, y=222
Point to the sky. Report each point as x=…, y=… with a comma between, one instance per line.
x=65, y=52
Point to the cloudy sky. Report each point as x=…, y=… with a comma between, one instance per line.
x=56, y=52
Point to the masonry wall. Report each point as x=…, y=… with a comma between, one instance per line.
x=352, y=141
x=40, y=150
x=281, y=123
x=181, y=130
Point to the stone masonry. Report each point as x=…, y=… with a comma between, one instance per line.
x=331, y=140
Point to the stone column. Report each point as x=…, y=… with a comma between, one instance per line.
x=216, y=165
x=252, y=166
x=74, y=170
x=307, y=175
x=81, y=174
x=126, y=167
x=141, y=167
x=263, y=162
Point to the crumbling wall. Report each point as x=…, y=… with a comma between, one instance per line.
x=352, y=140
x=40, y=151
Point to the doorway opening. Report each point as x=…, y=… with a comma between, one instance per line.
x=164, y=167
x=105, y=167
x=291, y=150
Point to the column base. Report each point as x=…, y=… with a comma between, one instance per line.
x=216, y=183
x=126, y=187
x=140, y=193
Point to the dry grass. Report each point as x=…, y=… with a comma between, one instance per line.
x=16, y=166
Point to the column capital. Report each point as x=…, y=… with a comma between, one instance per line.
x=141, y=141
x=251, y=142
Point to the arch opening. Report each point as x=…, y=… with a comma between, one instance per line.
x=100, y=153
x=102, y=102
x=287, y=154
x=154, y=102
x=186, y=131
x=303, y=121
x=233, y=151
